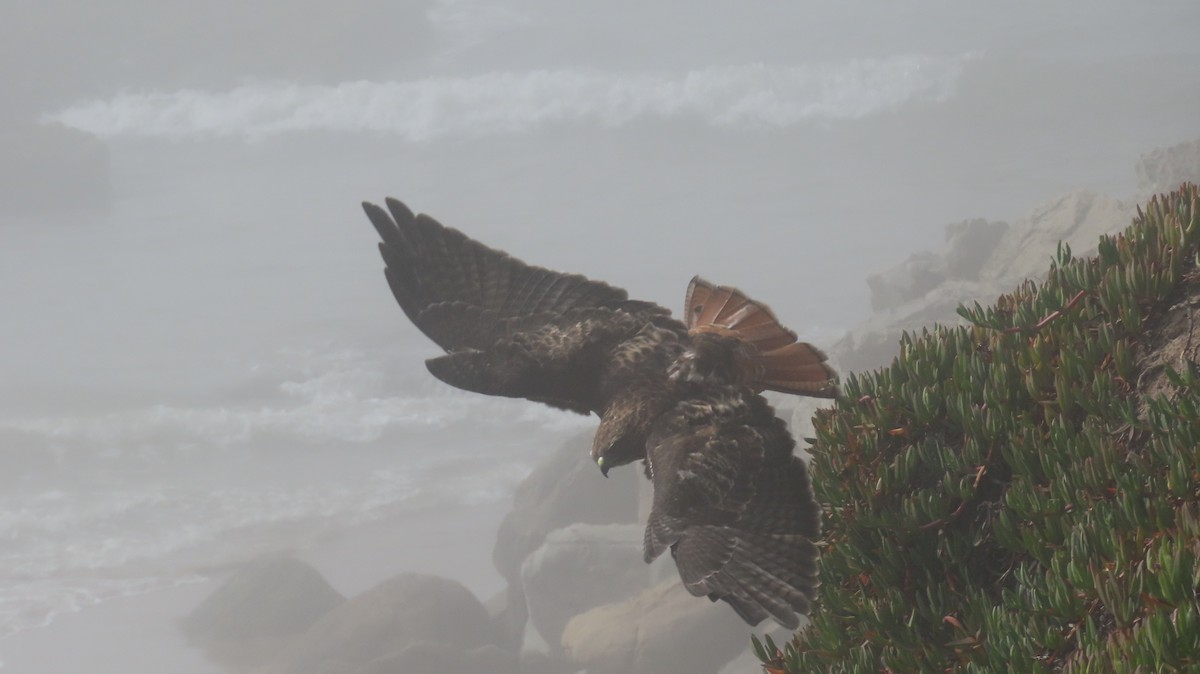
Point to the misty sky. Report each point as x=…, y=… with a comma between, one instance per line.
x=771, y=146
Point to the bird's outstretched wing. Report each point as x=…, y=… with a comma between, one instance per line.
x=735, y=506
x=508, y=328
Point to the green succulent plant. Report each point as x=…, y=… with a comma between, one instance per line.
x=1022, y=494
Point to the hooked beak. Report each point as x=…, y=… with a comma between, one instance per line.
x=603, y=468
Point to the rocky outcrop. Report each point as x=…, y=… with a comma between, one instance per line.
x=566, y=488
x=980, y=260
x=969, y=245
x=259, y=611
x=661, y=630
x=907, y=281
x=1077, y=218
x=380, y=624
x=1166, y=168
x=578, y=568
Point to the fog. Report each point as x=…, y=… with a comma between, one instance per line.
x=202, y=363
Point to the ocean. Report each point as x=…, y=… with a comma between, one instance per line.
x=214, y=368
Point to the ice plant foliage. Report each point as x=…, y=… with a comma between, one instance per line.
x=1022, y=494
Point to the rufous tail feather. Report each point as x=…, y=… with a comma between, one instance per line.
x=788, y=365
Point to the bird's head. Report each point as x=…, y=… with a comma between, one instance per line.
x=624, y=428
x=616, y=448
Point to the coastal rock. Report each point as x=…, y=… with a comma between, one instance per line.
x=907, y=281
x=566, y=488
x=661, y=630
x=382, y=622
x=968, y=245
x=876, y=341
x=260, y=610
x=980, y=261
x=1166, y=168
x=578, y=568
x=1077, y=218
x=510, y=617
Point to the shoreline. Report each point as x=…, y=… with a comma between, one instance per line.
x=138, y=634
x=453, y=542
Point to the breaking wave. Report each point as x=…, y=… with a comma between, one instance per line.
x=513, y=102
x=106, y=505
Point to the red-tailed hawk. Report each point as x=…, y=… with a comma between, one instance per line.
x=731, y=501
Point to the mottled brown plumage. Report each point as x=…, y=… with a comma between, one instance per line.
x=731, y=501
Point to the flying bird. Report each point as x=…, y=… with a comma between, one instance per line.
x=731, y=501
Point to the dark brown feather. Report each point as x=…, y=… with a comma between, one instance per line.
x=509, y=328
x=734, y=506
x=429, y=263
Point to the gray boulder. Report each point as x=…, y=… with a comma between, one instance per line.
x=379, y=624
x=566, y=488
x=968, y=245
x=267, y=597
x=907, y=281
x=510, y=617
x=260, y=610
x=1166, y=168
x=661, y=630
x=578, y=568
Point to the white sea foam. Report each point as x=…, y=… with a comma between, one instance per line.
x=322, y=399
x=512, y=102
x=101, y=506
x=37, y=603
